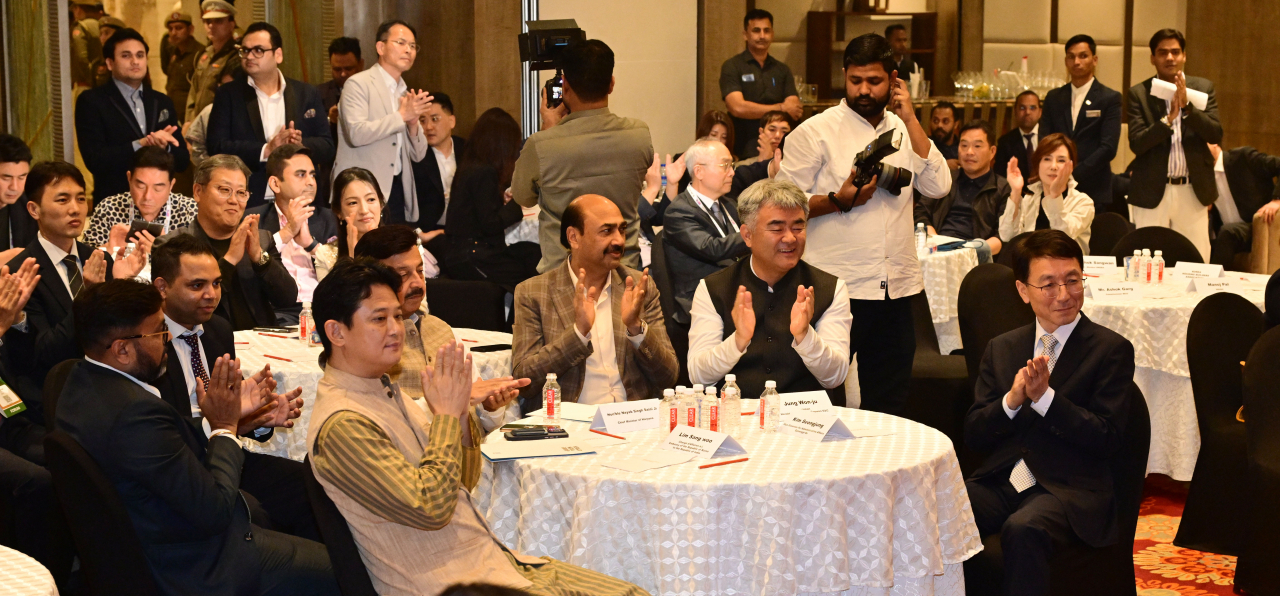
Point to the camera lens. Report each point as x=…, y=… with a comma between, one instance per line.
x=893, y=179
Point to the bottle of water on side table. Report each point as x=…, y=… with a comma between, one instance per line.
x=1157, y=267
x=688, y=407
x=730, y=405
x=1131, y=266
x=306, y=324
x=922, y=240
x=710, y=410
x=770, y=407
x=551, y=398
x=697, y=399
x=669, y=409
x=1146, y=266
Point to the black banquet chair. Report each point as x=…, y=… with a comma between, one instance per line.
x=1255, y=569
x=1176, y=247
x=661, y=276
x=939, y=393
x=1222, y=330
x=348, y=567
x=1106, y=230
x=468, y=304
x=112, y=562
x=1009, y=253
x=1078, y=569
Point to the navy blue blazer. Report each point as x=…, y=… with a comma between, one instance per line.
x=235, y=128
x=1096, y=134
x=106, y=130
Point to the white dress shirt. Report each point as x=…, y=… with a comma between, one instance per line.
x=602, y=382
x=271, y=107
x=824, y=349
x=1226, y=203
x=1077, y=99
x=1062, y=334
x=56, y=255
x=297, y=261
x=133, y=97
x=448, y=166
x=395, y=89
x=1177, y=156
x=872, y=247
x=180, y=347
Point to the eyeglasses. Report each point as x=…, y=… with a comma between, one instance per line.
x=256, y=52
x=167, y=335
x=1074, y=287
x=226, y=192
x=404, y=44
x=724, y=165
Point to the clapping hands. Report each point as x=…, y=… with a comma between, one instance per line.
x=15, y=290
x=447, y=384
x=161, y=138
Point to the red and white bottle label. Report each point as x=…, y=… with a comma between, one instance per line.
x=760, y=406
x=549, y=397
x=714, y=423
x=691, y=416
x=675, y=418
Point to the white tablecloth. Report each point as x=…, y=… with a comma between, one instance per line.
x=303, y=370
x=943, y=272
x=21, y=575
x=1157, y=326
x=525, y=230
x=879, y=515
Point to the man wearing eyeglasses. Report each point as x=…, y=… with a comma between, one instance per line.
x=1051, y=407
x=378, y=126
x=254, y=282
x=217, y=60
x=266, y=110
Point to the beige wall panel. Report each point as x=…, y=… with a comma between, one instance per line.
x=1101, y=19
x=1150, y=16
x=1111, y=66
x=1016, y=21
x=1041, y=56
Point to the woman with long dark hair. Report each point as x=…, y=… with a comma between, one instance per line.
x=480, y=210
x=357, y=203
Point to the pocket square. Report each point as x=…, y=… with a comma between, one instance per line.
x=310, y=113
x=1092, y=113
x=164, y=114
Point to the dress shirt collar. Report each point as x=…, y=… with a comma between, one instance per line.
x=278, y=93
x=573, y=279
x=746, y=56
x=128, y=92
x=1218, y=166
x=1062, y=334
x=55, y=254
x=177, y=329
x=752, y=262
x=702, y=199
x=886, y=121
x=1035, y=133
x=980, y=182
x=396, y=83
x=149, y=388
x=1083, y=89
x=585, y=114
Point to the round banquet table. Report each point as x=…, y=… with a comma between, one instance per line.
x=886, y=515
x=943, y=272
x=21, y=575
x=1156, y=323
x=302, y=369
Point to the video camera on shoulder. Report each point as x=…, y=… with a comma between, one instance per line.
x=541, y=48
x=870, y=163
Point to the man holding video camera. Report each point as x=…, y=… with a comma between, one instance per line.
x=861, y=219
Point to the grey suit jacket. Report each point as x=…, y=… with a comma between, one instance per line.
x=367, y=134
x=544, y=340
x=1150, y=140
x=695, y=248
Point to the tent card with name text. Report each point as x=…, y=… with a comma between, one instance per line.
x=627, y=416
x=704, y=444
x=809, y=401
x=570, y=410
x=814, y=426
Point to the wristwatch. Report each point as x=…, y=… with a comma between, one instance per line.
x=263, y=258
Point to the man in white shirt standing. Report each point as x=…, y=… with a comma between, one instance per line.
x=594, y=322
x=771, y=316
x=1088, y=112
x=378, y=125
x=864, y=235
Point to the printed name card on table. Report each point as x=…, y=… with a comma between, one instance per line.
x=496, y=451
x=1204, y=287
x=1114, y=291
x=814, y=426
x=703, y=444
x=809, y=401
x=570, y=410
x=627, y=416
x=1099, y=265
x=1198, y=270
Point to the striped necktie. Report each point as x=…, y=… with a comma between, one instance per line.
x=1021, y=477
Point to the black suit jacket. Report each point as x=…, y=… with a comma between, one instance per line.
x=1068, y=450
x=322, y=223
x=235, y=127
x=1150, y=140
x=1010, y=145
x=17, y=227
x=1251, y=175
x=265, y=288
x=181, y=490
x=1096, y=134
x=988, y=205
x=426, y=177
x=51, y=326
x=218, y=339
x=106, y=130
x=695, y=249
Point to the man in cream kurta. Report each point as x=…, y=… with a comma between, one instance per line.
x=400, y=476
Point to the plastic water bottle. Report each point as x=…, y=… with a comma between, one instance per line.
x=669, y=409
x=770, y=407
x=697, y=397
x=710, y=410
x=688, y=407
x=1157, y=267
x=922, y=240
x=730, y=405
x=305, y=322
x=551, y=398
x=1145, y=272
x=1131, y=266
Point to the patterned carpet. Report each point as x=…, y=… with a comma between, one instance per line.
x=1164, y=569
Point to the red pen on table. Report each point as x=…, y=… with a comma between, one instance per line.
x=723, y=463
x=474, y=341
x=276, y=335
x=598, y=432
x=242, y=343
x=277, y=357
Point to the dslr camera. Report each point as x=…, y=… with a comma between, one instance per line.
x=870, y=162
x=541, y=48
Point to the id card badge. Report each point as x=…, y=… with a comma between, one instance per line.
x=10, y=403
x=749, y=77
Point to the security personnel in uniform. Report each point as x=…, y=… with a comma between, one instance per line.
x=107, y=26
x=178, y=59
x=217, y=59
x=86, y=48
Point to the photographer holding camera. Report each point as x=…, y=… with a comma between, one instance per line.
x=861, y=219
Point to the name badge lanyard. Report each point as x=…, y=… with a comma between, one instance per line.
x=713, y=217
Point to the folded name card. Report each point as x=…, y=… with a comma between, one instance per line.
x=1198, y=270
x=1204, y=287
x=814, y=401
x=509, y=450
x=703, y=444
x=627, y=416
x=1115, y=291
x=814, y=426
x=1099, y=265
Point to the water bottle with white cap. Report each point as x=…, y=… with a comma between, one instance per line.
x=668, y=411
x=770, y=407
x=1157, y=267
x=730, y=405
x=1145, y=272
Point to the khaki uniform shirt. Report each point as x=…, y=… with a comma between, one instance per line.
x=179, y=64
x=210, y=67
x=85, y=51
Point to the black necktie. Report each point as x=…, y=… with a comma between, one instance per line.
x=74, y=279
x=1030, y=149
x=718, y=214
x=197, y=364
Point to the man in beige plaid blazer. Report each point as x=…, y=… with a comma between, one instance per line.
x=594, y=322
